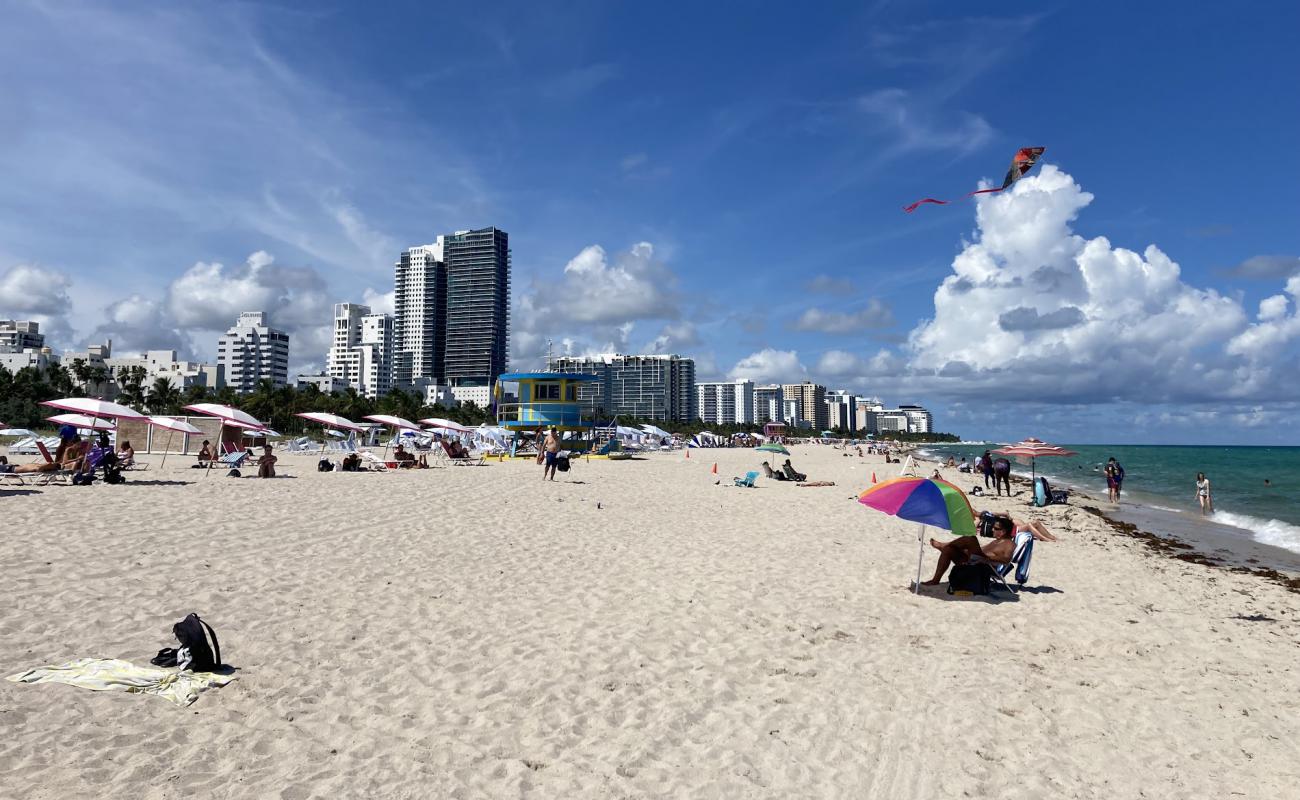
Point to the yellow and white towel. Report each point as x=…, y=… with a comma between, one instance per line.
x=115, y=675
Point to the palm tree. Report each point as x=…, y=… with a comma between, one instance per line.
x=80, y=372
x=98, y=375
x=164, y=397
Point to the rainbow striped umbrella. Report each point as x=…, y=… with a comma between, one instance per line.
x=924, y=500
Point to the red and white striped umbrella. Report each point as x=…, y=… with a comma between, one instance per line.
x=1034, y=449
x=83, y=421
x=331, y=420
x=93, y=407
x=227, y=414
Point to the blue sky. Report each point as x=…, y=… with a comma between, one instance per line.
x=723, y=181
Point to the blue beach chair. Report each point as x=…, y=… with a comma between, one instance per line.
x=1020, y=559
x=748, y=480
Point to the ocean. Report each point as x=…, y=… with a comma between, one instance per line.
x=1160, y=482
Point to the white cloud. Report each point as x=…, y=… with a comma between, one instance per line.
x=829, y=285
x=39, y=295
x=379, y=302
x=1036, y=310
x=913, y=128
x=1267, y=267
x=673, y=338
x=874, y=314
x=770, y=366
x=135, y=324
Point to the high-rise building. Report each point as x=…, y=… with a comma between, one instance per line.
x=918, y=419
x=725, y=402
x=419, y=314
x=865, y=414
x=841, y=411
x=362, y=352
x=655, y=387
x=769, y=404
x=478, y=306
x=812, y=401
x=252, y=351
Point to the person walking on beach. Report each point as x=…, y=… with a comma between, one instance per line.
x=1001, y=470
x=985, y=465
x=552, y=448
x=1203, y=493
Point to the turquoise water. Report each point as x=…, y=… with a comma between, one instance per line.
x=1164, y=477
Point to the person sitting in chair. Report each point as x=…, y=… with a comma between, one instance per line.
x=351, y=463
x=772, y=474
x=404, y=459
x=126, y=455
x=967, y=550
x=791, y=473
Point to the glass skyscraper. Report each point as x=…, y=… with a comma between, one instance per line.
x=478, y=306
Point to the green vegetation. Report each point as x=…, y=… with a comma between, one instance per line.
x=21, y=393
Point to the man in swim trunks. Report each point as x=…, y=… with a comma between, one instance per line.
x=967, y=550
x=552, y=447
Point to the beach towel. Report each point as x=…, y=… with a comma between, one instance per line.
x=115, y=675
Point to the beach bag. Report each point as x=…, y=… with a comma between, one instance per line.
x=194, y=652
x=324, y=465
x=562, y=463
x=969, y=579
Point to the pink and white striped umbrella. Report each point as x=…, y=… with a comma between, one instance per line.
x=93, y=407
x=173, y=424
x=394, y=422
x=438, y=422
x=83, y=421
x=331, y=420
x=227, y=414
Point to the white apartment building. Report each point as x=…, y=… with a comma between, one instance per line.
x=419, y=311
x=655, y=387
x=865, y=414
x=23, y=345
x=725, y=402
x=769, y=404
x=918, y=419
x=253, y=351
x=164, y=364
x=325, y=384
x=362, y=352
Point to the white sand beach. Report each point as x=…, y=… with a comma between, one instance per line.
x=633, y=630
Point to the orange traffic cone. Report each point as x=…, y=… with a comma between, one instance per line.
x=715, y=468
x=873, y=476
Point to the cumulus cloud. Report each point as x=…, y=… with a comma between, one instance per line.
x=595, y=305
x=769, y=366
x=1062, y=318
x=136, y=324
x=379, y=302
x=1267, y=267
x=673, y=337
x=874, y=314
x=39, y=295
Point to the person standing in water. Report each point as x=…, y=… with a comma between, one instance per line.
x=1203, y=494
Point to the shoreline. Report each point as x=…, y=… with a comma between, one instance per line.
x=1191, y=539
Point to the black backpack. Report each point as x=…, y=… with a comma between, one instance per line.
x=324, y=465
x=973, y=578
x=190, y=632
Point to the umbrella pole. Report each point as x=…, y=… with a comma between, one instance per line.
x=166, y=447
x=221, y=429
x=920, y=555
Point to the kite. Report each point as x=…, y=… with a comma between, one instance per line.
x=1026, y=158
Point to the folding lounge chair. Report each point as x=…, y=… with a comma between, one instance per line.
x=463, y=461
x=234, y=459
x=58, y=475
x=376, y=463
x=748, y=480
x=1020, y=559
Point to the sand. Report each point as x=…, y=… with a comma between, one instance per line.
x=631, y=631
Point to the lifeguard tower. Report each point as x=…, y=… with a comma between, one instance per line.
x=547, y=400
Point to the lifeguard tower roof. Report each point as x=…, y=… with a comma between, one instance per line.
x=543, y=376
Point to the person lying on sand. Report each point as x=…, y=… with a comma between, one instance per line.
x=1038, y=529
x=967, y=550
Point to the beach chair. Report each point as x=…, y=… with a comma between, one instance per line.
x=234, y=459
x=373, y=461
x=463, y=461
x=58, y=475
x=1020, y=558
x=748, y=480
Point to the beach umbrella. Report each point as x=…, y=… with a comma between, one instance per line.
x=172, y=426
x=228, y=416
x=398, y=424
x=19, y=432
x=331, y=420
x=1034, y=449
x=94, y=408
x=83, y=421
x=438, y=422
x=926, y=501
x=772, y=447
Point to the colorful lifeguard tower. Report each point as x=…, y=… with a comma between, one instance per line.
x=546, y=400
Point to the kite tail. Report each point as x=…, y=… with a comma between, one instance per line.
x=987, y=191
x=914, y=206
